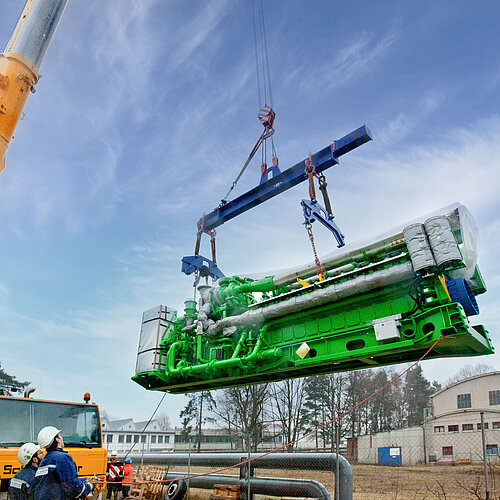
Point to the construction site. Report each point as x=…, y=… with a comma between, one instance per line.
x=259, y=240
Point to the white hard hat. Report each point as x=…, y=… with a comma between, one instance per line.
x=47, y=435
x=27, y=452
x=114, y=454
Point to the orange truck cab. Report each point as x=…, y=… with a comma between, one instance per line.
x=80, y=424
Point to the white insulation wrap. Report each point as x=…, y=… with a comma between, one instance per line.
x=467, y=243
x=443, y=243
x=463, y=230
x=332, y=293
x=418, y=247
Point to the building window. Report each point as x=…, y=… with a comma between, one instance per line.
x=485, y=426
x=167, y=438
x=129, y=438
x=121, y=438
x=160, y=439
x=494, y=398
x=143, y=438
x=492, y=449
x=153, y=439
x=496, y=425
x=136, y=438
x=447, y=451
x=438, y=429
x=109, y=438
x=464, y=401
x=467, y=427
x=453, y=428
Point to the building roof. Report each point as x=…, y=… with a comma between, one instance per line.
x=116, y=424
x=489, y=374
x=141, y=425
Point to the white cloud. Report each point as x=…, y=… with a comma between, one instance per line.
x=353, y=59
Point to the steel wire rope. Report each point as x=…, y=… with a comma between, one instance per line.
x=257, y=66
x=265, y=56
x=146, y=426
x=262, y=67
x=140, y=434
x=319, y=427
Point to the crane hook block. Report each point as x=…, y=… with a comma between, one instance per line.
x=266, y=117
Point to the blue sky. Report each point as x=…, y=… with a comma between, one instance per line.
x=145, y=113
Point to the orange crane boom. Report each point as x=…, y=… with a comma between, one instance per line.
x=20, y=62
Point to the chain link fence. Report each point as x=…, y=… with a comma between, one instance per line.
x=451, y=454
x=417, y=463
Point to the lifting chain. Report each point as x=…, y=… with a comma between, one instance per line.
x=319, y=269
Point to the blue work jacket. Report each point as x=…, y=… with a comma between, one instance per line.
x=21, y=485
x=57, y=478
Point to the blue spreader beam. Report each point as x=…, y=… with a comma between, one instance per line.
x=285, y=180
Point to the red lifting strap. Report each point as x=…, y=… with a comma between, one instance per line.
x=310, y=175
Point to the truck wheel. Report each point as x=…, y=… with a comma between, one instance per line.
x=176, y=490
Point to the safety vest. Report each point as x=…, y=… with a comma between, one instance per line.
x=127, y=474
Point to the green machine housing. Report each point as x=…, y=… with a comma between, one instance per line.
x=382, y=303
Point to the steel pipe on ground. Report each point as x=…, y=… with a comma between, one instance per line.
x=293, y=461
x=274, y=486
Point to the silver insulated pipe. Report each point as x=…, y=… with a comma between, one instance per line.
x=332, y=293
x=34, y=30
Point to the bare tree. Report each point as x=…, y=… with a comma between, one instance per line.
x=164, y=421
x=469, y=371
x=105, y=415
x=244, y=408
x=287, y=400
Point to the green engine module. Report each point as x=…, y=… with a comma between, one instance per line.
x=383, y=303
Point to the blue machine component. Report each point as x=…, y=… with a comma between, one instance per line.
x=285, y=180
x=314, y=211
x=461, y=292
x=204, y=266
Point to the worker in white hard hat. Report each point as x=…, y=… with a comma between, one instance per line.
x=114, y=476
x=57, y=475
x=21, y=485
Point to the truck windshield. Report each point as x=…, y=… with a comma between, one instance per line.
x=21, y=420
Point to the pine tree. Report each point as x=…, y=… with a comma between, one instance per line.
x=312, y=412
x=417, y=390
x=9, y=383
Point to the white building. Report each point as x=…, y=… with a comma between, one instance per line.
x=122, y=435
x=452, y=430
